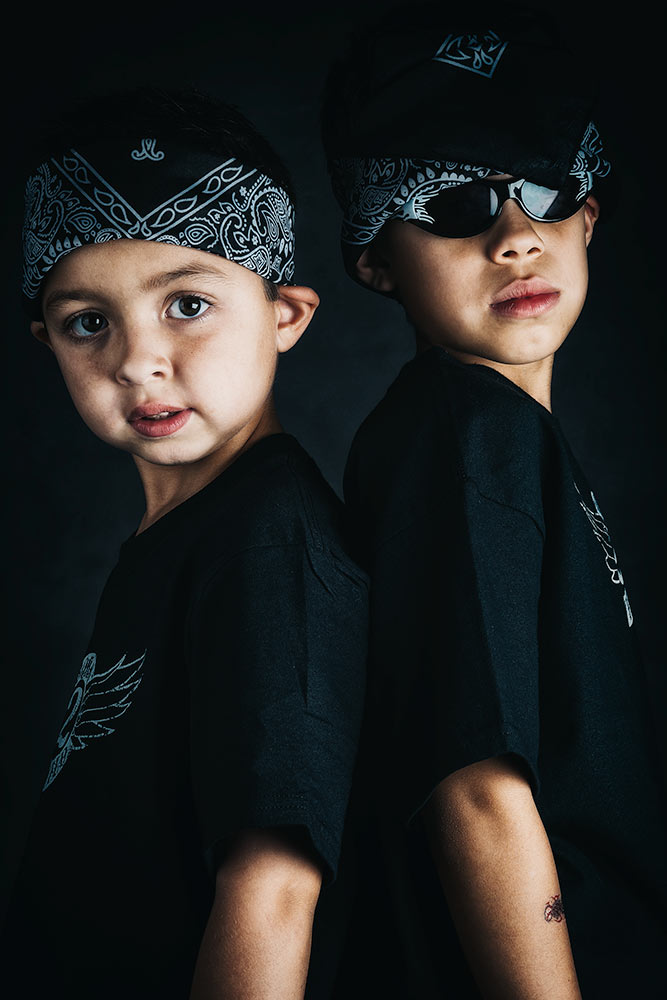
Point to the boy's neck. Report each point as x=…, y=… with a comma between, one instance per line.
x=167, y=486
x=534, y=378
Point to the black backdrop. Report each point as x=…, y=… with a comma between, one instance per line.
x=72, y=499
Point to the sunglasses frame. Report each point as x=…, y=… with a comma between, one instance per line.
x=505, y=190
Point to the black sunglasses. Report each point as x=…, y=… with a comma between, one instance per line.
x=471, y=208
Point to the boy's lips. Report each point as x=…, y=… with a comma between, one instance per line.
x=525, y=297
x=158, y=419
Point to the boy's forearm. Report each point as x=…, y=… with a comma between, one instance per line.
x=256, y=945
x=499, y=875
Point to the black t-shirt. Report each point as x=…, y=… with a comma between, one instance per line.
x=222, y=690
x=500, y=624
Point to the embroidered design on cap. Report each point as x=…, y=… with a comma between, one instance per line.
x=479, y=54
x=147, y=151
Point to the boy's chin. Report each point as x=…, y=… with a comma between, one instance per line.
x=523, y=348
x=170, y=455
x=166, y=459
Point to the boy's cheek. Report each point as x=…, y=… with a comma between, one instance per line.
x=92, y=402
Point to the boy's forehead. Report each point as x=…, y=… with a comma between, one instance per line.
x=140, y=264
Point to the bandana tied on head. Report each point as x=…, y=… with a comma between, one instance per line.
x=152, y=189
x=373, y=190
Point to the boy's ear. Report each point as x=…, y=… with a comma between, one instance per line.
x=592, y=214
x=296, y=305
x=39, y=331
x=374, y=269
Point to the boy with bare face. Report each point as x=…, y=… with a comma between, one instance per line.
x=195, y=799
x=517, y=801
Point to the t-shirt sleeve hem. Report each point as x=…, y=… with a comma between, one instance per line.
x=508, y=740
x=286, y=815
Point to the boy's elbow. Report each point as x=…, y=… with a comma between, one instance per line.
x=488, y=800
x=267, y=875
x=294, y=899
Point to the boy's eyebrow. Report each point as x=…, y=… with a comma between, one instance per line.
x=69, y=295
x=188, y=270
x=156, y=281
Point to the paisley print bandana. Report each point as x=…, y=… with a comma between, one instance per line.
x=154, y=189
x=371, y=191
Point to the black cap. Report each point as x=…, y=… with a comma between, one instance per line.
x=494, y=85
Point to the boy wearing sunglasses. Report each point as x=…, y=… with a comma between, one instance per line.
x=509, y=753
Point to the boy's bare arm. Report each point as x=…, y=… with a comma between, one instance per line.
x=498, y=873
x=256, y=945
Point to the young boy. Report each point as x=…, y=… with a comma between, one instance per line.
x=515, y=848
x=195, y=799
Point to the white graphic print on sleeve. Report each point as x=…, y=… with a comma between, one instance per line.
x=601, y=532
x=97, y=699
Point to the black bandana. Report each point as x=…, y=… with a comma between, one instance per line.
x=154, y=189
x=374, y=190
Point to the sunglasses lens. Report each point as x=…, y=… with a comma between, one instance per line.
x=543, y=203
x=465, y=210
x=470, y=209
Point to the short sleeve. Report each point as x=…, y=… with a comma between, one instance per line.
x=457, y=661
x=276, y=653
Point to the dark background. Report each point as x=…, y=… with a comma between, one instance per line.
x=72, y=499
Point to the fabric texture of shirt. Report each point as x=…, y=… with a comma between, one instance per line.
x=222, y=690
x=500, y=624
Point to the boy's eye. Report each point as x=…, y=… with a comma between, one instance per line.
x=88, y=324
x=187, y=307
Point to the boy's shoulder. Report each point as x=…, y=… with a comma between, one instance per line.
x=435, y=386
x=273, y=495
x=443, y=421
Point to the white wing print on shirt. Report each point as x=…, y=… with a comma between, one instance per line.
x=97, y=700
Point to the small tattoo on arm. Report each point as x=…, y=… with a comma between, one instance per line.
x=554, y=910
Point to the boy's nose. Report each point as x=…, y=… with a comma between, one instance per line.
x=141, y=358
x=512, y=235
